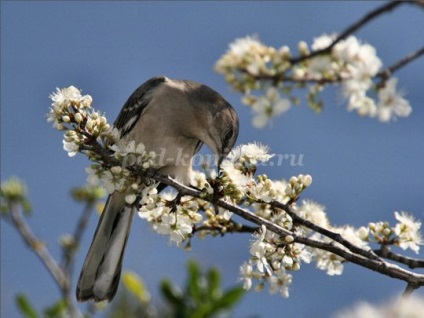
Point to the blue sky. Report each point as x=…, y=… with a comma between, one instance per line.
x=362, y=170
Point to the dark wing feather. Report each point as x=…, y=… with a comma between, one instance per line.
x=135, y=105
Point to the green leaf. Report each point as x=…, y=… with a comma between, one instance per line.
x=194, y=278
x=230, y=298
x=214, y=282
x=25, y=306
x=57, y=310
x=171, y=293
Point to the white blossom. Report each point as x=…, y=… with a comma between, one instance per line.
x=253, y=152
x=364, y=105
x=408, y=231
x=279, y=282
x=271, y=104
x=244, y=45
x=258, y=249
x=71, y=147
x=391, y=103
x=178, y=227
x=61, y=102
x=322, y=42
x=238, y=178
x=92, y=177
x=266, y=190
x=329, y=262
x=352, y=235
x=313, y=212
x=246, y=271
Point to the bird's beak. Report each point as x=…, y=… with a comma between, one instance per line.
x=222, y=155
x=221, y=158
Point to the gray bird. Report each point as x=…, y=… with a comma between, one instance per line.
x=173, y=118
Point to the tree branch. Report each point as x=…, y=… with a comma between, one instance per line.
x=409, y=290
x=386, y=73
x=385, y=252
x=361, y=258
x=355, y=27
x=332, y=235
x=222, y=230
x=38, y=247
x=69, y=253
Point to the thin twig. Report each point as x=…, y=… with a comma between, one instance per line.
x=387, y=72
x=234, y=228
x=69, y=254
x=385, y=252
x=409, y=290
x=334, y=236
x=38, y=247
x=353, y=28
x=62, y=280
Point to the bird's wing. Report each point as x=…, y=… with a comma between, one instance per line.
x=135, y=105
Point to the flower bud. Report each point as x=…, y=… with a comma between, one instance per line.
x=66, y=119
x=78, y=117
x=289, y=239
x=116, y=170
x=295, y=267
x=307, y=181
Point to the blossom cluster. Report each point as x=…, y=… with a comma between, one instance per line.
x=272, y=257
x=119, y=177
x=405, y=234
x=250, y=66
x=177, y=223
x=13, y=192
x=72, y=112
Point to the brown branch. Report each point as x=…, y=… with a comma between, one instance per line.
x=385, y=252
x=355, y=27
x=384, y=74
x=69, y=253
x=377, y=265
x=38, y=247
x=332, y=235
x=291, y=79
x=222, y=230
x=349, y=252
x=409, y=290
x=63, y=281
x=387, y=72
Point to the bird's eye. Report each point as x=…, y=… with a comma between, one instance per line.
x=228, y=135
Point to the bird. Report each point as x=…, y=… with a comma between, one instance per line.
x=172, y=117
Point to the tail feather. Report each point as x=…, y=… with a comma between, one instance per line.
x=99, y=278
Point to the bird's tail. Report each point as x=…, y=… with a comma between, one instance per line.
x=99, y=278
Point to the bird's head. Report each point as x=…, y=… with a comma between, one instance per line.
x=216, y=122
x=223, y=132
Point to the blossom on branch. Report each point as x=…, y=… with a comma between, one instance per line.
x=391, y=103
x=210, y=209
x=408, y=231
x=262, y=72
